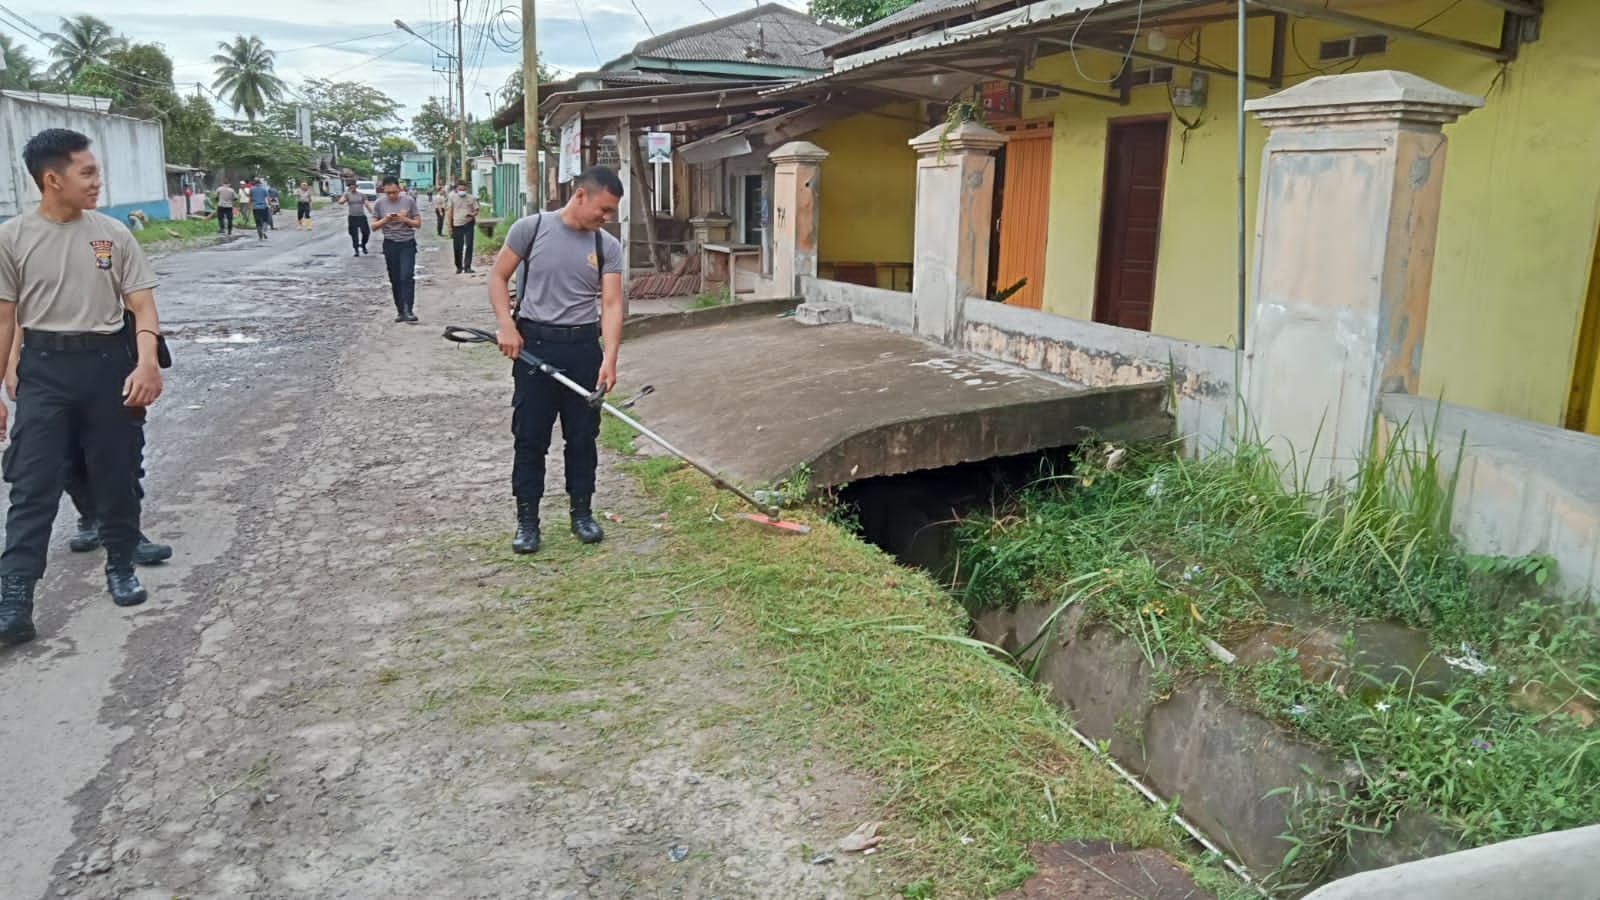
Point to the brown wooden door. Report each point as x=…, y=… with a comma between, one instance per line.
x=1024, y=216
x=1130, y=223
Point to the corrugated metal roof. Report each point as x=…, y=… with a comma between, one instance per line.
x=771, y=34
x=916, y=12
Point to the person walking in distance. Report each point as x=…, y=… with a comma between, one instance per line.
x=356, y=207
x=244, y=203
x=302, y=206
x=463, y=219
x=567, y=312
x=226, y=196
x=258, y=208
x=397, y=216
x=441, y=204
x=67, y=275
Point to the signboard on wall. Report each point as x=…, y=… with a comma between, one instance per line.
x=658, y=147
x=571, y=150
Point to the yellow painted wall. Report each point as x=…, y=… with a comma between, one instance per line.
x=869, y=188
x=1519, y=217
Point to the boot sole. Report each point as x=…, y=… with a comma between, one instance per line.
x=135, y=600
x=524, y=551
x=152, y=559
x=77, y=546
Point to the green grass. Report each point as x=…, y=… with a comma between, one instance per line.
x=492, y=244
x=833, y=645
x=712, y=299
x=162, y=230
x=1174, y=552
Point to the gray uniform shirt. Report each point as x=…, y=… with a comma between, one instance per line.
x=394, y=229
x=563, y=276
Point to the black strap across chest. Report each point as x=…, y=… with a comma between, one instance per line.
x=527, y=255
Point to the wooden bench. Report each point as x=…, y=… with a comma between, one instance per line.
x=487, y=226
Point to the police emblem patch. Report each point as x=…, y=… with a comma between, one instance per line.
x=102, y=254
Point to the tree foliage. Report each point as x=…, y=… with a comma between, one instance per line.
x=82, y=40
x=21, y=70
x=387, y=157
x=856, y=13
x=255, y=150
x=245, y=75
x=347, y=116
x=434, y=126
x=136, y=77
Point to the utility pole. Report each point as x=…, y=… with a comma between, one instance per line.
x=461, y=89
x=530, y=110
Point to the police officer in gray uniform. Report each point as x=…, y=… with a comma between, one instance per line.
x=568, y=312
x=67, y=273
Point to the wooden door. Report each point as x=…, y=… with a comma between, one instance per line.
x=1130, y=222
x=1583, y=404
x=1024, y=216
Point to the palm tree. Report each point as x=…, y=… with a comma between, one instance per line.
x=245, y=77
x=19, y=71
x=81, y=41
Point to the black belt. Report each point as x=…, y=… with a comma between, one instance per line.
x=69, y=341
x=559, y=334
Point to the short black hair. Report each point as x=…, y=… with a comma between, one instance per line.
x=601, y=177
x=390, y=179
x=462, y=182
x=52, y=149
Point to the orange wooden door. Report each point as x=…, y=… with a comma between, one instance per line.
x=1024, y=216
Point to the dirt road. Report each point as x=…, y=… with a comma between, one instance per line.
x=293, y=714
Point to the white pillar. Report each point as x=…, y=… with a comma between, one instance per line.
x=1345, y=232
x=955, y=203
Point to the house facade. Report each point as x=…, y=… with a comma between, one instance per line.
x=1116, y=193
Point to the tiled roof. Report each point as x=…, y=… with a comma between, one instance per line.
x=771, y=34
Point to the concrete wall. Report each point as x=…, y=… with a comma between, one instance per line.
x=1518, y=219
x=1201, y=376
x=131, y=153
x=869, y=188
x=871, y=306
x=1523, y=488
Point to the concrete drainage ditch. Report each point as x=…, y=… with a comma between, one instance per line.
x=1238, y=775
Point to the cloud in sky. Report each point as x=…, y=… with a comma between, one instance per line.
x=382, y=56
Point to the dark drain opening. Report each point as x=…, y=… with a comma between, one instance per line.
x=914, y=517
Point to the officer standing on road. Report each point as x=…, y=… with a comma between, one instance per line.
x=397, y=216
x=258, y=208
x=463, y=219
x=356, y=208
x=302, y=206
x=67, y=273
x=225, y=199
x=569, y=303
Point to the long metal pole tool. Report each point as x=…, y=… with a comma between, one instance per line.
x=597, y=398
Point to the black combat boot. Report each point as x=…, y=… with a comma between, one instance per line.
x=149, y=553
x=88, y=536
x=16, y=609
x=583, y=523
x=526, y=539
x=123, y=583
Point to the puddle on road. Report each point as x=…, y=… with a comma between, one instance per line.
x=234, y=338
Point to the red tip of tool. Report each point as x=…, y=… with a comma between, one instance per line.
x=779, y=524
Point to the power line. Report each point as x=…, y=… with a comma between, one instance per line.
x=576, y=4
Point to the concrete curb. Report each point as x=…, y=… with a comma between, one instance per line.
x=643, y=326
x=1556, y=866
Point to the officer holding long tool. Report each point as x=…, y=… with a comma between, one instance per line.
x=568, y=312
x=67, y=273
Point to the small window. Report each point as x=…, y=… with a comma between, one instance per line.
x=1043, y=93
x=1352, y=47
x=1151, y=75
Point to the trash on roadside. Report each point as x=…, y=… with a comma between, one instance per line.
x=677, y=853
x=821, y=859
x=614, y=517
x=1468, y=661
x=864, y=837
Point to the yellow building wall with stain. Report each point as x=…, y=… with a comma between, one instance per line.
x=1520, y=209
x=869, y=188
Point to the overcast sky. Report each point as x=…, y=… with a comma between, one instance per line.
x=382, y=56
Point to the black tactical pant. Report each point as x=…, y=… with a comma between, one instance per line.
x=538, y=401
x=461, y=237
x=67, y=398
x=360, y=229
x=224, y=220
x=79, y=487
x=400, y=258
